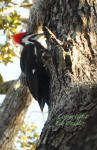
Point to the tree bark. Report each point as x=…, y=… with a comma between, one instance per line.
x=12, y=111
x=72, y=122
x=70, y=27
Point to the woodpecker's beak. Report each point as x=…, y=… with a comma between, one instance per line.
x=40, y=37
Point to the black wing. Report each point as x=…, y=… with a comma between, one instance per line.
x=36, y=75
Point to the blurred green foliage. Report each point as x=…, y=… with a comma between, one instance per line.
x=8, y=26
x=9, y=23
x=5, y=2
x=27, y=137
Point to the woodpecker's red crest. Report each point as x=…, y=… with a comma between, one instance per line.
x=17, y=37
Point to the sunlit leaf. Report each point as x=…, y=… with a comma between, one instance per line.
x=36, y=135
x=24, y=138
x=23, y=144
x=9, y=18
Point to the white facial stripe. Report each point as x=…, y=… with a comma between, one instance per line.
x=26, y=41
x=33, y=71
x=41, y=39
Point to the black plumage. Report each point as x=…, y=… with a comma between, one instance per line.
x=37, y=75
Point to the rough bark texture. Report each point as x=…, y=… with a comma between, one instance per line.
x=72, y=120
x=12, y=111
x=72, y=63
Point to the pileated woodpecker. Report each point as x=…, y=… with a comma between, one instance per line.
x=31, y=64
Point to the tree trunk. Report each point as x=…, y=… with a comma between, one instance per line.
x=70, y=27
x=12, y=111
x=71, y=32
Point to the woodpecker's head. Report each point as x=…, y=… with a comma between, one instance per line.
x=25, y=38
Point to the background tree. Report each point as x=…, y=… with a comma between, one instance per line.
x=71, y=31
x=11, y=22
